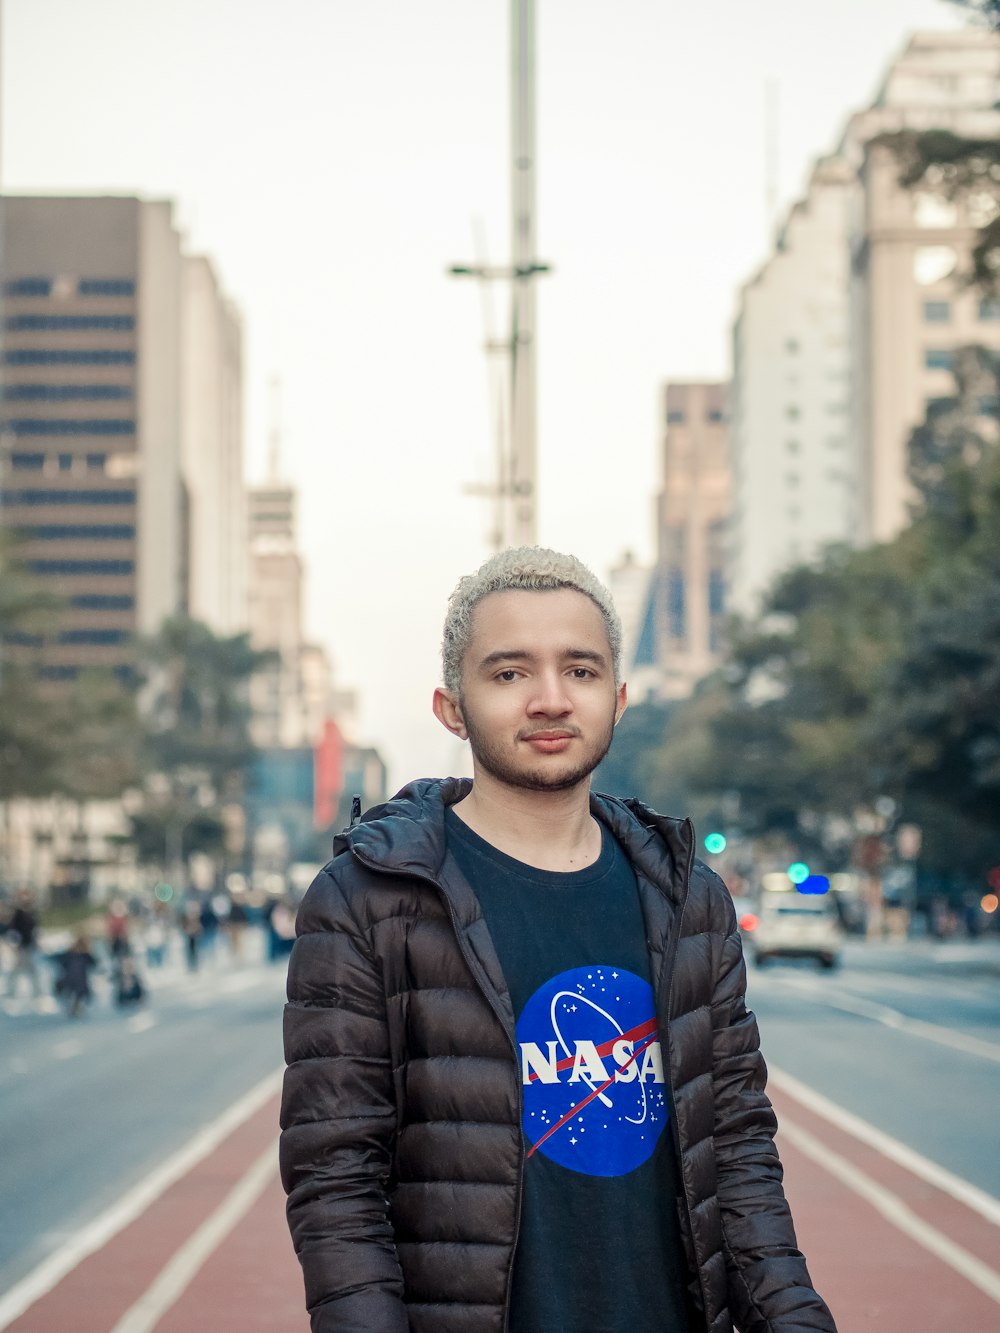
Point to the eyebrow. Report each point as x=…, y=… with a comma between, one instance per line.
x=522, y=655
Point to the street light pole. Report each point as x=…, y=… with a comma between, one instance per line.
x=522, y=347
x=515, y=486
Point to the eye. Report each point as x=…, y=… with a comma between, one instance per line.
x=582, y=673
x=508, y=675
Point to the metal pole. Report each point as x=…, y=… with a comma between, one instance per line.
x=522, y=387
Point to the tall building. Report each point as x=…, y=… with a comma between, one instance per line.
x=91, y=415
x=911, y=303
x=117, y=452
x=679, y=636
x=212, y=450
x=848, y=330
x=276, y=621
x=794, y=462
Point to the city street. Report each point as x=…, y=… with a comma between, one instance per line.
x=140, y=1190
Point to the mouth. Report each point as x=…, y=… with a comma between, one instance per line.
x=549, y=742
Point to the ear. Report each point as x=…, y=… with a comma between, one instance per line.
x=448, y=712
x=622, y=702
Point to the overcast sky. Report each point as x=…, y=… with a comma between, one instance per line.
x=332, y=158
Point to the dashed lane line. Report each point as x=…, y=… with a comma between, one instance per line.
x=893, y=1018
x=65, y=1050
x=971, y=1196
x=176, y=1277
x=895, y=1211
x=141, y=1022
x=91, y=1237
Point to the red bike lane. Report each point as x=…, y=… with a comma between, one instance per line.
x=889, y=1250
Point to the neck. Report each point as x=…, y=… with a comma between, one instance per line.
x=551, y=830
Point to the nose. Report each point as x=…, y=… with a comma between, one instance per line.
x=550, y=697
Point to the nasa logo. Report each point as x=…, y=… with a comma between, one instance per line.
x=592, y=1070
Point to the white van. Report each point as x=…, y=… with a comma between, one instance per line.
x=790, y=924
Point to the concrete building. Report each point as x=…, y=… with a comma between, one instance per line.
x=212, y=450
x=628, y=582
x=910, y=302
x=275, y=615
x=794, y=461
x=847, y=331
x=679, y=637
x=91, y=415
x=121, y=450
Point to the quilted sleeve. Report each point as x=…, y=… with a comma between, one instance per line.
x=338, y=1120
x=770, y=1290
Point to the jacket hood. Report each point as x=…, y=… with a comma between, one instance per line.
x=406, y=833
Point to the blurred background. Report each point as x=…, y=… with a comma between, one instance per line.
x=306, y=309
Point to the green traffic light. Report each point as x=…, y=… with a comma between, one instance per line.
x=798, y=872
x=715, y=843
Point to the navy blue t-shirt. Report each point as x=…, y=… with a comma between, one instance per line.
x=599, y=1248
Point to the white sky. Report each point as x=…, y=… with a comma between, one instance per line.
x=330, y=156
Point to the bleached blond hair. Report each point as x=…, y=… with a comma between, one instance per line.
x=524, y=569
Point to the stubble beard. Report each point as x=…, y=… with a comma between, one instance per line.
x=504, y=768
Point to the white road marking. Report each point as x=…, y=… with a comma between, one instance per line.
x=238, y=981
x=141, y=1022
x=978, y=1200
x=65, y=1050
x=90, y=1238
x=892, y=1018
x=176, y=1277
x=894, y=1210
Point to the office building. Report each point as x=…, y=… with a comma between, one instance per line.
x=121, y=438
x=848, y=330
x=212, y=450
x=679, y=635
x=794, y=460
x=911, y=304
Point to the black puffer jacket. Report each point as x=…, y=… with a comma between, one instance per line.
x=401, y=1148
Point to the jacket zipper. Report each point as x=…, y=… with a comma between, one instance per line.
x=668, y=969
x=473, y=968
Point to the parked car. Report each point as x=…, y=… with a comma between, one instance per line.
x=793, y=925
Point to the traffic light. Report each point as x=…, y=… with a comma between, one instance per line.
x=715, y=843
x=798, y=872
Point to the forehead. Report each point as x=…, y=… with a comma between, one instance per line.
x=560, y=618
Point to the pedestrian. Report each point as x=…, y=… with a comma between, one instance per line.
x=191, y=930
x=156, y=936
x=237, y=919
x=129, y=990
x=22, y=932
x=524, y=1091
x=73, y=968
x=116, y=928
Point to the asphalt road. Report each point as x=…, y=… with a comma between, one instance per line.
x=89, y=1107
x=906, y=1037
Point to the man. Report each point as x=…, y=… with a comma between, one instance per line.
x=23, y=930
x=524, y=1091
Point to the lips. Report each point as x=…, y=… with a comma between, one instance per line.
x=549, y=742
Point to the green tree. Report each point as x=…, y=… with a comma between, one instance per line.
x=30, y=734
x=937, y=724
x=195, y=703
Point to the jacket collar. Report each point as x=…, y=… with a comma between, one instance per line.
x=407, y=833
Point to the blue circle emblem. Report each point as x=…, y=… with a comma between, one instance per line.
x=592, y=1071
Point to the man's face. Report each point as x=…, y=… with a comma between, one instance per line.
x=538, y=701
